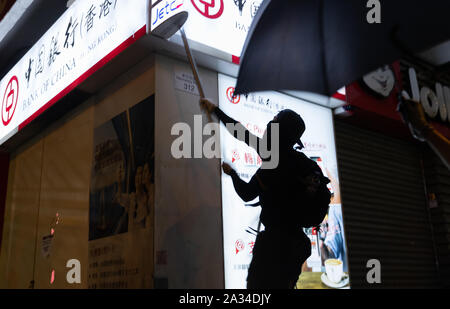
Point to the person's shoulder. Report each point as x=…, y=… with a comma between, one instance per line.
x=300, y=154
x=301, y=157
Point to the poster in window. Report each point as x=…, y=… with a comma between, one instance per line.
x=121, y=212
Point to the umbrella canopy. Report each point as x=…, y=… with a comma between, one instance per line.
x=320, y=46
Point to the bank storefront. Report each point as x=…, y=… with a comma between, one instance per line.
x=87, y=125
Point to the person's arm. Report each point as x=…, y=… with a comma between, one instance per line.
x=246, y=191
x=439, y=143
x=415, y=115
x=234, y=127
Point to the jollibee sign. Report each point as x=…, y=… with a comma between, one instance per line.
x=83, y=39
x=434, y=102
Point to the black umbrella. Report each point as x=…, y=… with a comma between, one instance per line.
x=323, y=45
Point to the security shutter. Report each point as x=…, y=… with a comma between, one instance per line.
x=438, y=189
x=385, y=212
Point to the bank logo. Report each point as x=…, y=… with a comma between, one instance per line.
x=209, y=8
x=9, y=102
x=235, y=99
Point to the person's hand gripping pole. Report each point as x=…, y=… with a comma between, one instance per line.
x=413, y=116
x=207, y=106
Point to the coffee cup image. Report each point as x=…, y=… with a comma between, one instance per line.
x=334, y=269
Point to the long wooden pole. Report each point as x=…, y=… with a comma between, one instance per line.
x=193, y=67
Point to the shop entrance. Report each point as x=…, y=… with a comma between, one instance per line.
x=49, y=194
x=385, y=209
x=48, y=179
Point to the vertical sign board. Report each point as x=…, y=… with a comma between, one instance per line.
x=240, y=222
x=83, y=39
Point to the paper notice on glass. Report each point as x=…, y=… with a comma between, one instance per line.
x=46, y=245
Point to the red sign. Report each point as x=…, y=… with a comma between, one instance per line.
x=380, y=113
x=209, y=8
x=249, y=158
x=376, y=113
x=231, y=97
x=10, y=99
x=251, y=245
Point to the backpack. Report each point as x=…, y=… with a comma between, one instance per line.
x=315, y=197
x=306, y=188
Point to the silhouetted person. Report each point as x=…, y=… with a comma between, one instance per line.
x=282, y=248
x=414, y=115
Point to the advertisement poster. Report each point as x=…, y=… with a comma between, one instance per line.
x=327, y=266
x=121, y=210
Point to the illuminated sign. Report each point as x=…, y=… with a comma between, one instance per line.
x=83, y=39
x=380, y=82
x=434, y=103
x=164, y=10
x=210, y=9
x=241, y=222
x=220, y=24
x=10, y=99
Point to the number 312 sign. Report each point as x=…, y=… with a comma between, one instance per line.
x=185, y=82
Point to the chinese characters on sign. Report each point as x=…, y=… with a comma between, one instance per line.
x=74, y=31
x=88, y=35
x=220, y=24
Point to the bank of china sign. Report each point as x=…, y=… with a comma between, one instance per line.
x=85, y=37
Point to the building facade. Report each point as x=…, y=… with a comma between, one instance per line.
x=94, y=111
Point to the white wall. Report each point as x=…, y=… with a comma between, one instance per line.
x=188, y=214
